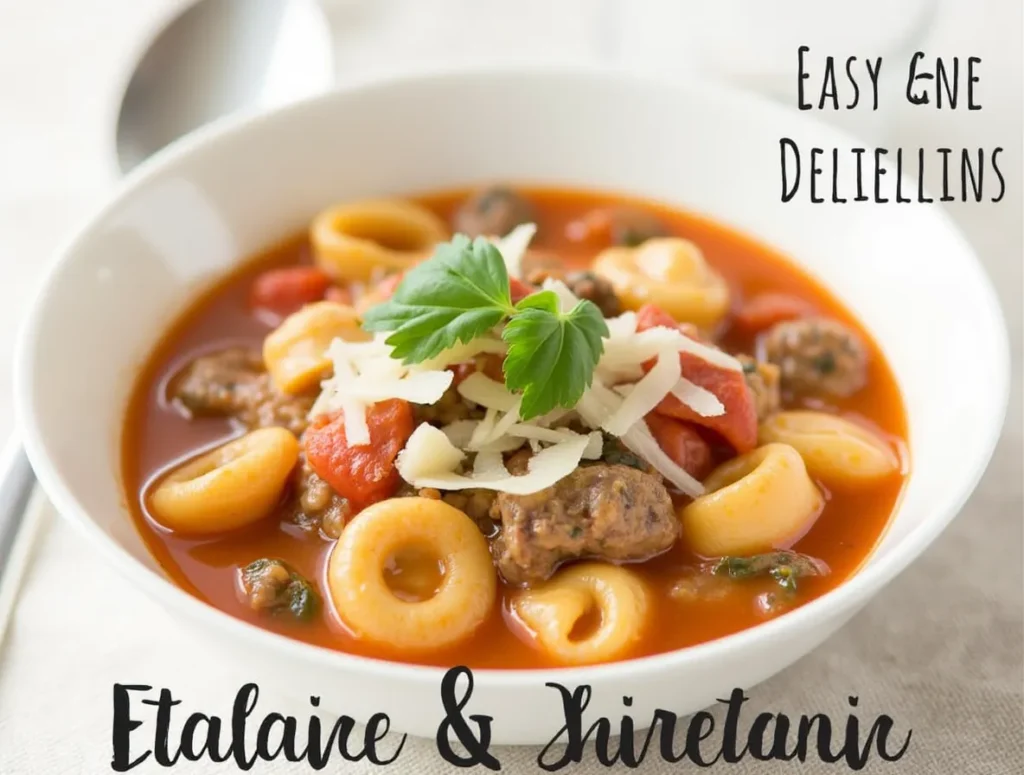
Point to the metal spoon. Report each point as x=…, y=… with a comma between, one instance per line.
x=216, y=58
x=221, y=57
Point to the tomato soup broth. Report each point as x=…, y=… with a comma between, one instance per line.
x=158, y=436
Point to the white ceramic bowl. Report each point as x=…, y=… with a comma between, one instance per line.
x=217, y=197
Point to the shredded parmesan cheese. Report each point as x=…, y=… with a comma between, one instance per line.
x=600, y=404
x=639, y=440
x=483, y=431
x=364, y=374
x=513, y=247
x=357, y=432
x=504, y=444
x=633, y=349
x=425, y=387
x=646, y=394
x=597, y=405
x=701, y=400
x=488, y=393
x=460, y=432
x=566, y=298
x=550, y=435
x=462, y=353
x=620, y=396
x=427, y=451
x=621, y=326
x=489, y=464
x=510, y=418
x=430, y=460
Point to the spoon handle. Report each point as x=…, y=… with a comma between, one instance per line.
x=16, y=484
x=16, y=480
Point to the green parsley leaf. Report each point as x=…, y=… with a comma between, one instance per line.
x=552, y=355
x=459, y=294
x=546, y=301
x=463, y=292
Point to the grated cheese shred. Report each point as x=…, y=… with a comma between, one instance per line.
x=620, y=396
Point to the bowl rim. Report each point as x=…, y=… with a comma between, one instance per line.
x=856, y=588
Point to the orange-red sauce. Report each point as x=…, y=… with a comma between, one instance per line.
x=155, y=436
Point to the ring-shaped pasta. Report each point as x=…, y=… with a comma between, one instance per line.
x=669, y=272
x=295, y=353
x=553, y=610
x=838, y=452
x=233, y=485
x=368, y=607
x=755, y=502
x=355, y=241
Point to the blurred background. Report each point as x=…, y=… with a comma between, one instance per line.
x=65, y=66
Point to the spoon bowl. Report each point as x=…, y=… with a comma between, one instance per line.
x=219, y=57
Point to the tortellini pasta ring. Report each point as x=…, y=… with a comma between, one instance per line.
x=368, y=606
x=295, y=353
x=838, y=452
x=554, y=610
x=669, y=272
x=236, y=484
x=358, y=240
x=762, y=500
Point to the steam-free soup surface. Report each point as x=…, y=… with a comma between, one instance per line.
x=158, y=435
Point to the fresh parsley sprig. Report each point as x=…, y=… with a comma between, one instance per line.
x=463, y=292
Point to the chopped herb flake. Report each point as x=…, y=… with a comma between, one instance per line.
x=783, y=566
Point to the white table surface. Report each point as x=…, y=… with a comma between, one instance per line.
x=60, y=65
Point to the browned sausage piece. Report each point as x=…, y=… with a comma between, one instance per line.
x=314, y=505
x=234, y=383
x=493, y=212
x=270, y=585
x=816, y=356
x=763, y=380
x=631, y=226
x=611, y=512
x=585, y=285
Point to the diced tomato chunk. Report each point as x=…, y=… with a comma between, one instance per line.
x=461, y=371
x=651, y=315
x=338, y=295
x=738, y=424
x=767, y=309
x=518, y=289
x=386, y=288
x=492, y=366
x=364, y=474
x=682, y=442
x=287, y=290
x=595, y=227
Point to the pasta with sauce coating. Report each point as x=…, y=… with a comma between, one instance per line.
x=838, y=452
x=250, y=354
x=295, y=353
x=366, y=604
x=553, y=610
x=761, y=500
x=236, y=484
x=355, y=241
x=668, y=272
